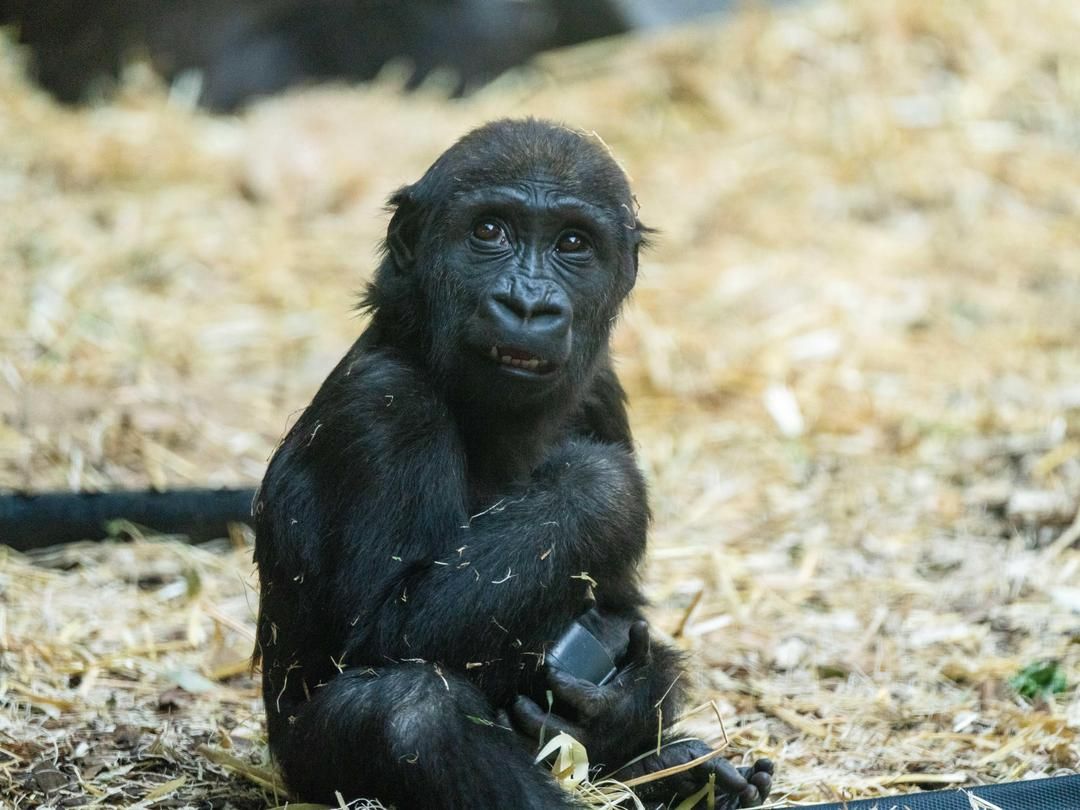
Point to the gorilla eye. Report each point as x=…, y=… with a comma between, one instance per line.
x=572, y=242
x=487, y=231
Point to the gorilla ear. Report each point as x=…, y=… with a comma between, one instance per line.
x=642, y=234
x=404, y=228
x=642, y=240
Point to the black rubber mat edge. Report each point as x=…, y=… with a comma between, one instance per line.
x=1057, y=793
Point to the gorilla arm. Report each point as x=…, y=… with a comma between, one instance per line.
x=406, y=573
x=621, y=719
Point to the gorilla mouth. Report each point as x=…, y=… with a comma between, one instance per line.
x=519, y=358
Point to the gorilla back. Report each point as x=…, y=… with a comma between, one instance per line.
x=461, y=488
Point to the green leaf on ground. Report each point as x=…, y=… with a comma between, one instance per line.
x=1039, y=678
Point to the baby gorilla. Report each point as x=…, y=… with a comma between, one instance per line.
x=460, y=492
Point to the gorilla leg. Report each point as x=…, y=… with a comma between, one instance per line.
x=412, y=736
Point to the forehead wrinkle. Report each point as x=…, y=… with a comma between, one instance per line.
x=538, y=197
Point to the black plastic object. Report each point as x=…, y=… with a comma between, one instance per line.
x=581, y=654
x=1059, y=793
x=36, y=521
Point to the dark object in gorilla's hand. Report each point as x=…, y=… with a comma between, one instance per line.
x=579, y=653
x=463, y=482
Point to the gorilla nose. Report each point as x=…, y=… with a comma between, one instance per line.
x=533, y=308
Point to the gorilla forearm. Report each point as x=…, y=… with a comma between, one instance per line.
x=523, y=565
x=581, y=512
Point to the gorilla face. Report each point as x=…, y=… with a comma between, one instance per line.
x=518, y=267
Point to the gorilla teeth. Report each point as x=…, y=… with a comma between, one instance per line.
x=530, y=364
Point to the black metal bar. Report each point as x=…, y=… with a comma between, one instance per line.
x=29, y=521
x=1058, y=793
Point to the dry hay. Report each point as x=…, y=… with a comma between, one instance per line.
x=853, y=360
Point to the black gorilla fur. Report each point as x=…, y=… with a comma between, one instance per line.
x=461, y=487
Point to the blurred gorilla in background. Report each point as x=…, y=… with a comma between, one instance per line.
x=245, y=49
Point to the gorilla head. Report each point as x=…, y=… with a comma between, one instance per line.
x=507, y=262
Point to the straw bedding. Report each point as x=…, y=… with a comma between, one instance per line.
x=853, y=358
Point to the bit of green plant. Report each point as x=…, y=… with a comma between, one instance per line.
x=1039, y=678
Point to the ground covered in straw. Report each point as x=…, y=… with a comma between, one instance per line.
x=853, y=357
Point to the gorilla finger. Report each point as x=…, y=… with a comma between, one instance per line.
x=637, y=651
x=750, y=797
x=759, y=766
x=679, y=785
x=534, y=722
x=728, y=778
x=527, y=716
x=586, y=698
x=676, y=788
x=762, y=780
x=686, y=750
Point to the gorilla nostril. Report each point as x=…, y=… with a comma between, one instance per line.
x=512, y=303
x=528, y=308
x=546, y=306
